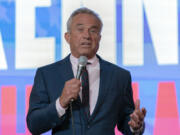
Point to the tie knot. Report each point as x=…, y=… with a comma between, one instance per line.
x=85, y=67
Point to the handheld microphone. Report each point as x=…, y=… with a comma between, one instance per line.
x=82, y=62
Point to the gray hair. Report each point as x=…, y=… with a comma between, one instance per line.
x=83, y=10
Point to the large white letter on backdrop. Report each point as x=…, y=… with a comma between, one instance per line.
x=162, y=19
x=132, y=32
x=108, y=42
x=3, y=64
x=31, y=52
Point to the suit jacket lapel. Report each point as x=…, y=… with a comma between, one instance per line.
x=66, y=69
x=105, y=81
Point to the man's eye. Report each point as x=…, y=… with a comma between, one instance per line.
x=93, y=31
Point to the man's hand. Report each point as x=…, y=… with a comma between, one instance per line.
x=137, y=117
x=70, y=91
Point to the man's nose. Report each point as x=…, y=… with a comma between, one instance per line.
x=86, y=34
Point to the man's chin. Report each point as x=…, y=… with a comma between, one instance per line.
x=84, y=54
x=87, y=55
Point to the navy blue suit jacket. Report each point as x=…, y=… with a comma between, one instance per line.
x=114, y=104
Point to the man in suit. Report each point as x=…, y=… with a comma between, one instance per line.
x=110, y=98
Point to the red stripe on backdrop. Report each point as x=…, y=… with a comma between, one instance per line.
x=8, y=110
x=135, y=87
x=28, y=91
x=166, y=119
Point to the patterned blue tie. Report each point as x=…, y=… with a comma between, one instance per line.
x=85, y=92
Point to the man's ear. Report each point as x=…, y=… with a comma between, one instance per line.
x=67, y=36
x=100, y=38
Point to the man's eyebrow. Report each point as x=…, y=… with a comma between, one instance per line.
x=79, y=24
x=95, y=27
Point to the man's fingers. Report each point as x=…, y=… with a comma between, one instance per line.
x=131, y=123
x=134, y=125
x=137, y=104
x=140, y=113
x=137, y=117
x=70, y=91
x=134, y=117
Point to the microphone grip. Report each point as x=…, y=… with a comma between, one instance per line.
x=79, y=71
x=78, y=75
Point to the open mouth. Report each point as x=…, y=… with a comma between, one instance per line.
x=85, y=43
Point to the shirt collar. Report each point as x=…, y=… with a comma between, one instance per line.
x=92, y=61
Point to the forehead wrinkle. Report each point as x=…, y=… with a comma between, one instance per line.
x=94, y=26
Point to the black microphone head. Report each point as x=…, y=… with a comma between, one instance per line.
x=82, y=60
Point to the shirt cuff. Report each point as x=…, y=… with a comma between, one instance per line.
x=138, y=131
x=60, y=110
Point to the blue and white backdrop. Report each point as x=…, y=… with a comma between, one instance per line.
x=139, y=35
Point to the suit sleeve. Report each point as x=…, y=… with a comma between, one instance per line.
x=128, y=107
x=42, y=115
